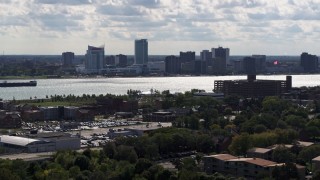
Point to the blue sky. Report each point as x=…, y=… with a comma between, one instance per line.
x=272, y=27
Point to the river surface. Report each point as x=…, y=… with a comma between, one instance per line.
x=121, y=85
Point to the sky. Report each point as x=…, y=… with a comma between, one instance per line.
x=271, y=27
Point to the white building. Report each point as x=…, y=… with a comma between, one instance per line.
x=42, y=142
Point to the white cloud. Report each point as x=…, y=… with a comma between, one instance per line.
x=201, y=23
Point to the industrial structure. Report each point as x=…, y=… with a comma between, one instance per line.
x=42, y=142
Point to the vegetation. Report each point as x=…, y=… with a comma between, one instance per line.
x=232, y=125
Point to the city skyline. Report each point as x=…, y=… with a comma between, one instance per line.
x=282, y=27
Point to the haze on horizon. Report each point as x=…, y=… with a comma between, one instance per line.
x=271, y=27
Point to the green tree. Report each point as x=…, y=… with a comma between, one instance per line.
x=240, y=144
x=296, y=122
x=82, y=162
x=281, y=154
x=312, y=132
x=126, y=153
x=55, y=174
x=6, y=174
x=142, y=165
x=287, y=171
x=308, y=153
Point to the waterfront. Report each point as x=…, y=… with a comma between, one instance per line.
x=121, y=85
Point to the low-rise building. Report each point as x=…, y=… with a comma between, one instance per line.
x=84, y=115
x=50, y=113
x=15, y=144
x=250, y=168
x=62, y=141
x=10, y=120
x=239, y=167
x=70, y=112
x=32, y=115
x=262, y=153
x=160, y=116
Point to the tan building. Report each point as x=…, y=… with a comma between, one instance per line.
x=262, y=153
x=250, y=168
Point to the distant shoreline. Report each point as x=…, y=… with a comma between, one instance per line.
x=102, y=76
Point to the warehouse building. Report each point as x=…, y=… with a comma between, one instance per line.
x=42, y=142
x=15, y=144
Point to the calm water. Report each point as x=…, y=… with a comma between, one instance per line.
x=121, y=85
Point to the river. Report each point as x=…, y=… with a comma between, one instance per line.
x=121, y=85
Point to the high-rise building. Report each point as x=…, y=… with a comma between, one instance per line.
x=172, y=65
x=206, y=56
x=94, y=59
x=67, y=58
x=141, y=51
x=249, y=65
x=200, y=67
x=121, y=60
x=220, y=59
x=110, y=60
x=238, y=66
x=309, y=62
x=260, y=61
x=188, y=56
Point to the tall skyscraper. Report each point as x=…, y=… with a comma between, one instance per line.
x=188, y=56
x=206, y=56
x=172, y=65
x=309, y=62
x=67, y=58
x=141, y=51
x=249, y=65
x=260, y=63
x=220, y=59
x=94, y=59
x=121, y=60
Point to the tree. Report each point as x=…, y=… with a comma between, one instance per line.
x=259, y=128
x=82, y=162
x=8, y=175
x=308, y=153
x=57, y=174
x=74, y=171
x=287, y=171
x=281, y=154
x=264, y=139
x=274, y=104
x=109, y=150
x=126, y=153
x=142, y=165
x=312, y=132
x=240, y=144
x=297, y=122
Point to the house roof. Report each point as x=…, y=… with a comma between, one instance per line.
x=316, y=158
x=289, y=146
x=261, y=162
x=224, y=156
x=304, y=143
x=259, y=150
x=18, y=141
